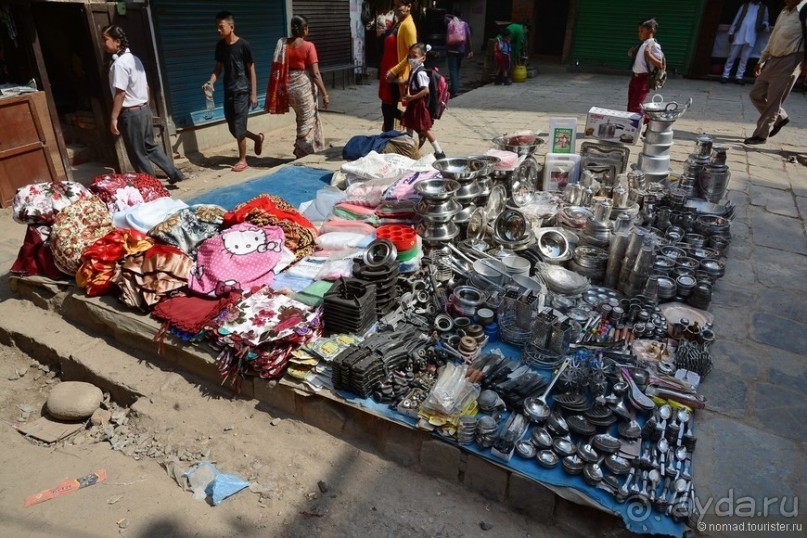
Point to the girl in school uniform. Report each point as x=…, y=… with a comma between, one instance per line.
x=417, y=117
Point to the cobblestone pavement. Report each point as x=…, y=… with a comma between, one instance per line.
x=752, y=436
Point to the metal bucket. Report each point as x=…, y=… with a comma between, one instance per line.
x=713, y=182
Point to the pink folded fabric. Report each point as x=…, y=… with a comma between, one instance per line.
x=343, y=225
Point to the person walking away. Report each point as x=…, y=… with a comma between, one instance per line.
x=501, y=52
x=131, y=116
x=234, y=58
x=458, y=45
x=417, y=117
x=517, y=42
x=751, y=19
x=394, y=63
x=303, y=83
x=647, y=56
x=779, y=67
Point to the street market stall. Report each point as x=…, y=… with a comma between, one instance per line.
x=550, y=317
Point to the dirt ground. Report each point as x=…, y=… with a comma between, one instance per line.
x=304, y=481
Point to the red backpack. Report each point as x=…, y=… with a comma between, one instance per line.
x=438, y=94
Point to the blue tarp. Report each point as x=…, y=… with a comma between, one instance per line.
x=295, y=184
x=637, y=518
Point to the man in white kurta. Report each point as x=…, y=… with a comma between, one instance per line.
x=751, y=18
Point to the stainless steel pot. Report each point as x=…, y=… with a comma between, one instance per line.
x=659, y=126
x=653, y=137
x=653, y=164
x=657, y=150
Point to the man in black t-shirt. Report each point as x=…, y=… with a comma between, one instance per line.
x=234, y=58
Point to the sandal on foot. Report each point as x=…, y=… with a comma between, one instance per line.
x=259, y=144
x=240, y=167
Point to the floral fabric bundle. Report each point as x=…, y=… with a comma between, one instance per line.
x=39, y=203
x=99, y=268
x=188, y=228
x=260, y=332
x=76, y=227
x=119, y=191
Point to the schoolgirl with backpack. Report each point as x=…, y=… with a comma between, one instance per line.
x=417, y=117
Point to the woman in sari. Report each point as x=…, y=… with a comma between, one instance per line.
x=295, y=82
x=395, y=63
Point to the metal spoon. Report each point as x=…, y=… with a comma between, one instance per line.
x=538, y=406
x=654, y=476
x=664, y=412
x=685, y=472
x=679, y=486
x=661, y=503
x=681, y=453
x=623, y=490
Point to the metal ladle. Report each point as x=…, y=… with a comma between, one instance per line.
x=537, y=406
x=637, y=397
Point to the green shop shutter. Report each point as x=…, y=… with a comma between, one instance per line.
x=329, y=29
x=187, y=37
x=605, y=30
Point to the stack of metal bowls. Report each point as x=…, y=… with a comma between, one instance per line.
x=463, y=170
x=589, y=262
x=654, y=159
x=436, y=210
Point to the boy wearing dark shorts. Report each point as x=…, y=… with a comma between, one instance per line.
x=234, y=58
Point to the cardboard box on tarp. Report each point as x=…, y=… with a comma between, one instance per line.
x=613, y=125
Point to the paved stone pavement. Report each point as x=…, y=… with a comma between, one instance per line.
x=752, y=437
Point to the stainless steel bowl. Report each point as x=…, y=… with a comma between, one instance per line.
x=467, y=192
x=437, y=189
x=504, y=143
x=511, y=226
x=437, y=231
x=459, y=168
x=437, y=211
x=489, y=163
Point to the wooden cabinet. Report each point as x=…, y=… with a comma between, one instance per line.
x=28, y=150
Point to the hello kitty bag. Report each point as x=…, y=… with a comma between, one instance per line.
x=239, y=258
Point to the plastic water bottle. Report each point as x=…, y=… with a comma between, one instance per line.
x=210, y=104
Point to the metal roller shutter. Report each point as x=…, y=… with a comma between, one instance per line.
x=186, y=38
x=604, y=31
x=329, y=25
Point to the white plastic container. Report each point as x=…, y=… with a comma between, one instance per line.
x=560, y=170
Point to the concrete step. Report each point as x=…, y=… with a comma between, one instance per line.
x=118, y=354
x=78, y=154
